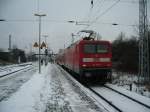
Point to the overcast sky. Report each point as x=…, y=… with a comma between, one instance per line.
x=23, y=25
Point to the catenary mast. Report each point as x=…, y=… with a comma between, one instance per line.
x=144, y=72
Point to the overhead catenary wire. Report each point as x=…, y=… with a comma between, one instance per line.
x=98, y=7
x=124, y=1
x=101, y=2
x=36, y=20
x=91, y=9
x=64, y=21
x=103, y=13
x=90, y=14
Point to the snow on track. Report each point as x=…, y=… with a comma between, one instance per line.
x=67, y=96
x=10, y=84
x=29, y=97
x=100, y=102
x=133, y=95
x=125, y=104
x=14, y=69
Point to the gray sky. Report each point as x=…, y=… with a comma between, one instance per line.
x=23, y=26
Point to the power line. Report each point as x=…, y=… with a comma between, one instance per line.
x=100, y=3
x=103, y=13
x=96, y=1
x=125, y=1
x=32, y=20
x=100, y=7
x=65, y=21
x=106, y=10
x=91, y=9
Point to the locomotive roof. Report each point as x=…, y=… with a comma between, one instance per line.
x=87, y=31
x=89, y=41
x=94, y=41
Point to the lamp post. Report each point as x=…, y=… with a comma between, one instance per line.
x=40, y=15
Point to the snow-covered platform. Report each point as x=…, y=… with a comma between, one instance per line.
x=51, y=91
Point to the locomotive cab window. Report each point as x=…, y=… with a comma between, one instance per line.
x=89, y=48
x=95, y=48
x=102, y=48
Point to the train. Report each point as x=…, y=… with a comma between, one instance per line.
x=88, y=58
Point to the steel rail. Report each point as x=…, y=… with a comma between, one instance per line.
x=147, y=106
x=14, y=72
x=12, y=66
x=110, y=103
x=85, y=85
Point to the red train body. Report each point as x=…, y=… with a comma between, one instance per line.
x=88, y=58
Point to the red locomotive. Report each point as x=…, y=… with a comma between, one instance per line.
x=88, y=58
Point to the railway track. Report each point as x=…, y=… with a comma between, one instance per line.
x=141, y=103
x=13, y=66
x=109, y=102
x=74, y=80
x=118, y=97
x=129, y=104
x=15, y=71
x=10, y=83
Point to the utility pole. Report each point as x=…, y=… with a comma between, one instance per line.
x=144, y=70
x=9, y=43
x=30, y=45
x=9, y=49
x=40, y=15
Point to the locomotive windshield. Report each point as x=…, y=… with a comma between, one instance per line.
x=102, y=48
x=95, y=48
x=89, y=48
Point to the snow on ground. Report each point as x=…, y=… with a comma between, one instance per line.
x=28, y=95
x=11, y=83
x=71, y=97
x=129, y=81
x=49, y=92
x=123, y=103
x=13, y=68
x=2, y=68
x=52, y=91
x=133, y=95
x=101, y=103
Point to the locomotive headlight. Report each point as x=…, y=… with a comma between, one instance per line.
x=96, y=59
x=87, y=60
x=105, y=59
